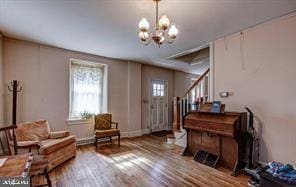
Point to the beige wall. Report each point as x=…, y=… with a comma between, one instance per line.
x=134, y=98
x=178, y=84
x=44, y=74
x=259, y=69
x=153, y=73
x=182, y=82
x=1, y=80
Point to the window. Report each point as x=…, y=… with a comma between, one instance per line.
x=87, y=88
x=158, y=89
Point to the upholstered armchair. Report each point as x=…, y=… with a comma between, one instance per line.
x=39, y=164
x=57, y=147
x=104, y=129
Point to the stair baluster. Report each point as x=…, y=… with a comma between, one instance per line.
x=186, y=103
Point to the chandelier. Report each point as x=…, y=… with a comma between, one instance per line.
x=164, y=31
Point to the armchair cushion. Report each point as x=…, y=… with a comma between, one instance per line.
x=59, y=134
x=50, y=145
x=32, y=131
x=107, y=133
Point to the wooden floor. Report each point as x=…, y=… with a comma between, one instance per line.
x=140, y=161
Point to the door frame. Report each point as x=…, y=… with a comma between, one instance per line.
x=150, y=90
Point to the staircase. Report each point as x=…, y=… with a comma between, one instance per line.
x=198, y=93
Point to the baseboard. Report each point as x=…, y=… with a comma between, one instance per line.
x=90, y=140
x=145, y=131
x=131, y=134
x=85, y=141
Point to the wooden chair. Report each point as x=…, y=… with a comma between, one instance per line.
x=104, y=129
x=8, y=146
x=7, y=138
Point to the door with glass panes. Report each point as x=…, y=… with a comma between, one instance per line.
x=159, y=106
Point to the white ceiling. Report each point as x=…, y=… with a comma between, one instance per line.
x=110, y=27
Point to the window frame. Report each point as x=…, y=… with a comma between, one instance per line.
x=105, y=87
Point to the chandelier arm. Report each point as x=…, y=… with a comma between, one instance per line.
x=169, y=40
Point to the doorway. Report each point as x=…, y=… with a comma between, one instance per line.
x=158, y=105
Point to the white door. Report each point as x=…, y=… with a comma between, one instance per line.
x=158, y=108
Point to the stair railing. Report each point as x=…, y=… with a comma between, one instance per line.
x=191, y=100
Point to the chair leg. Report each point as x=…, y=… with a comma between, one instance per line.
x=31, y=185
x=118, y=140
x=96, y=143
x=47, y=178
x=110, y=139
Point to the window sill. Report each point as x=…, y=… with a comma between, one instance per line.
x=79, y=121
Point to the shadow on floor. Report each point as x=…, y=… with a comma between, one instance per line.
x=110, y=149
x=161, y=133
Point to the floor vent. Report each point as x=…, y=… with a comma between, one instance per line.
x=206, y=158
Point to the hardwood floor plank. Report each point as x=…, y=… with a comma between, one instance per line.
x=140, y=162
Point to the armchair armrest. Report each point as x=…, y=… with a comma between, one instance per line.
x=59, y=134
x=28, y=145
x=116, y=123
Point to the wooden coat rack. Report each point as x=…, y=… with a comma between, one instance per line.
x=15, y=88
